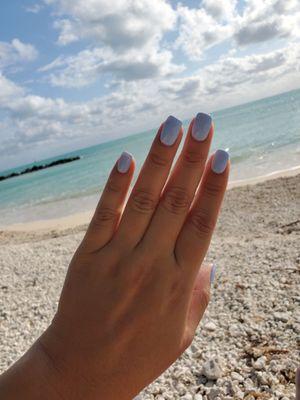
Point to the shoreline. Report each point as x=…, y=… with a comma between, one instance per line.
x=76, y=220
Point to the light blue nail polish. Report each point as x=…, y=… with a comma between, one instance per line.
x=124, y=162
x=170, y=131
x=220, y=161
x=213, y=273
x=201, y=126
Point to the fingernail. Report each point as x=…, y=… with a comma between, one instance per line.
x=124, y=162
x=213, y=273
x=220, y=161
x=201, y=126
x=170, y=131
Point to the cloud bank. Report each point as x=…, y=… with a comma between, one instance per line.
x=151, y=58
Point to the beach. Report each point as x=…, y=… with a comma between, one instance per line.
x=246, y=345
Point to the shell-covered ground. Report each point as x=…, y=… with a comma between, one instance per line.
x=247, y=345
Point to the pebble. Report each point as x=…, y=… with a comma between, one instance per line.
x=214, y=393
x=249, y=385
x=260, y=363
x=181, y=389
x=251, y=325
x=236, y=376
x=198, y=396
x=234, y=330
x=210, y=326
x=280, y=316
x=188, y=396
x=273, y=366
x=212, y=369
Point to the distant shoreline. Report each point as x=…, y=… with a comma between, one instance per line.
x=82, y=218
x=35, y=168
x=284, y=173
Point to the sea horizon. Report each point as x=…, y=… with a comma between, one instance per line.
x=261, y=136
x=184, y=121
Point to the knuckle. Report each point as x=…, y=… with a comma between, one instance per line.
x=176, y=292
x=113, y=187
x=176, y=200
x=212, y=189
x=202, y=223
x=143, y=201
x=158, y=159
x=193, y=158
x=104, y=216
x=204, y=298
x=188, y=340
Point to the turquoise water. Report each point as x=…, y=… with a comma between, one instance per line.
x=262, y=137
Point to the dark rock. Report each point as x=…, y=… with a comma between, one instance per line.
x=39, y=167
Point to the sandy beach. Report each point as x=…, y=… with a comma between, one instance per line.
x=246, y=346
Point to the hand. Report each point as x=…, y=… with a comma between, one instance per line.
x=134, y=293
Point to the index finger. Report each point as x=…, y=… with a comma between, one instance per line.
x=150, y=182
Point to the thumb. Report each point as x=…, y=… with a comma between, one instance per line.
x=200, y=297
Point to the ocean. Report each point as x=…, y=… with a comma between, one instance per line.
x=262, y=137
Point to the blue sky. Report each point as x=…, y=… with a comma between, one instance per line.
x=78, y=72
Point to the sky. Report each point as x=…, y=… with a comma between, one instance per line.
x=74, y=73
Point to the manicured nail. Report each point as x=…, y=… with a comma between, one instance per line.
x=124, y=162
x=201, y=126
x=170, y=130
x=220, y=161
x=213, y=273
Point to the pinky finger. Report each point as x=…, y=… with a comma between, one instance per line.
x=195, y=236
x=199, y=300
x=110, y=206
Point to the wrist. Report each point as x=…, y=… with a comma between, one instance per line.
x=32, y=377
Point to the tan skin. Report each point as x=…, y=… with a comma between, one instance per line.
x=134, y=292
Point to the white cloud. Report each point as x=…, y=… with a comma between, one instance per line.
x=261, y=31
x=26, y=52
x=235, y=73
x=8, y=91
x=67, y=30
x=120, y=24
x=221, y=9
x=130, y=35
x=198, y=31
x=34, y=8
x=88, y=65
x=127, y=45
x=38, y=122
x=16, y=52
x=266, y=20
x=123, y=25
x=35, y=122
x=217, y=21
x=232, y=80
x=126, y=37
